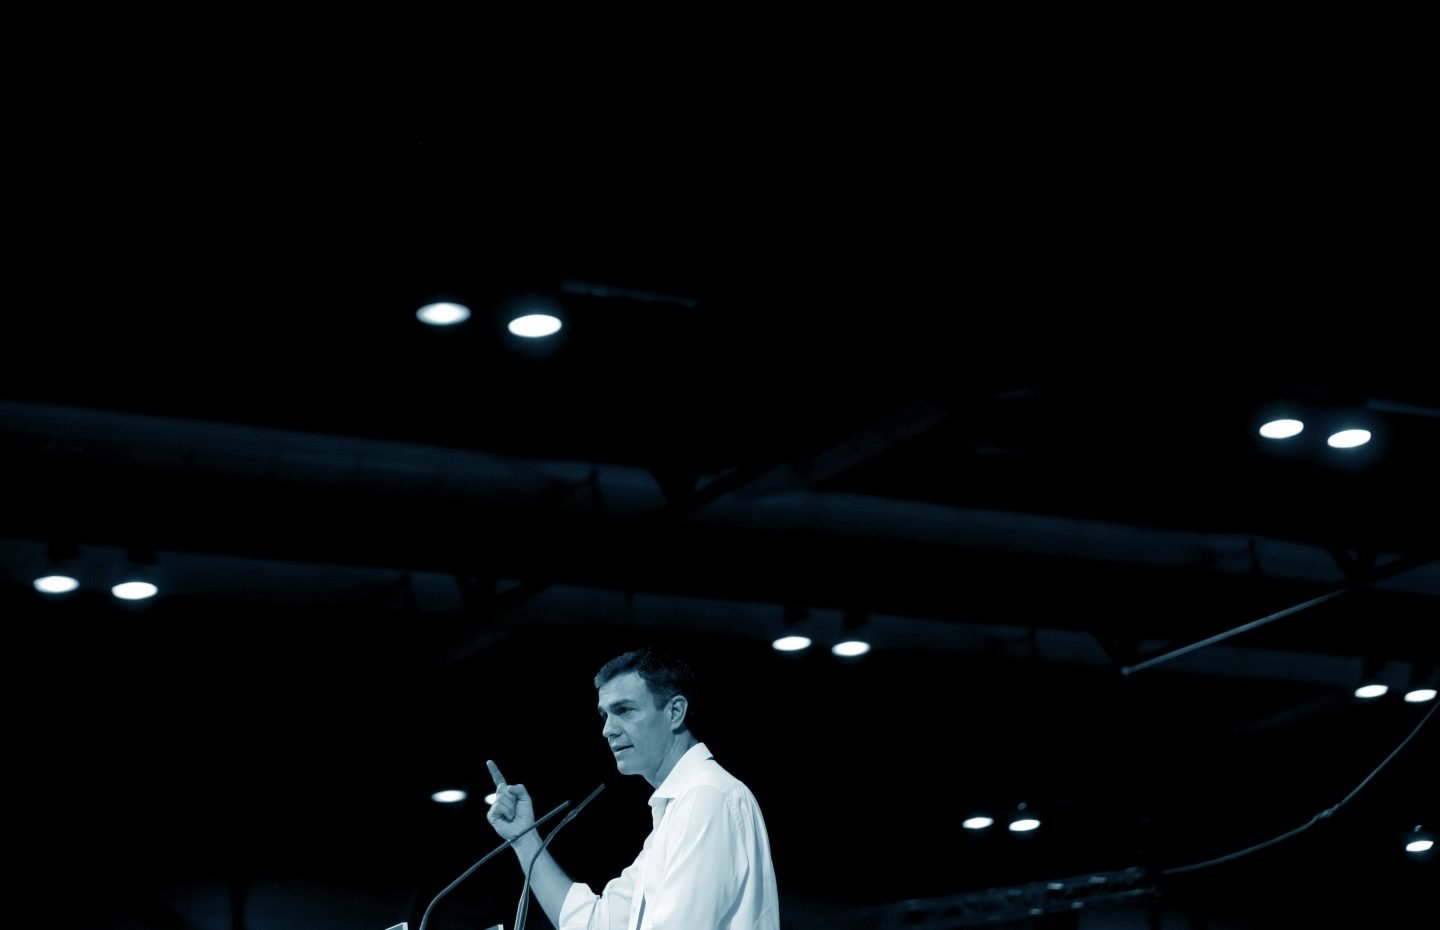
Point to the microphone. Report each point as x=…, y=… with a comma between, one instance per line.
x=486, y=858
x=524, y=906
x=571, y=816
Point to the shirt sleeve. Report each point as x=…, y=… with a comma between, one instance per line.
x=704, y=863
x=583, y=909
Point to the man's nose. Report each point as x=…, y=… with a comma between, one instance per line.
x=609, y=729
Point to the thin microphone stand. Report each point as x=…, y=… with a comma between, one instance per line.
x=505, y=845
x=522, y=910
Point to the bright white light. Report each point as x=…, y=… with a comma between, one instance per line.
x=1419, y=846
x=977, y=823
x=490, y=798
x=56, y=584
x=134, y=590
x=449, y=796
x=1348, y=438
x=1024, y=825
x=1419, y=695
x=535, y=325
x=791, y=643
x=852, y=647
x=1371, y=691
x=443, y=314
x=1281, y=429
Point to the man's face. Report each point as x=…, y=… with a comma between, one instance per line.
x=639, y=734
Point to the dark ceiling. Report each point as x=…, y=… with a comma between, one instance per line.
x=1011, y=421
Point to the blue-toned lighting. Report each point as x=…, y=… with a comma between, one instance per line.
x=1348, y=438
x=1281, y=429
x=134, y=590
x=56, y=584
x=535, y=325
x=444, y=313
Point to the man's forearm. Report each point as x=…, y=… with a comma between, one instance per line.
x=548, y=882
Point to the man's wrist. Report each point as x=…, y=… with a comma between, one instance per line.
x=527, y=845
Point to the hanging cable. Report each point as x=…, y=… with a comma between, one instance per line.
x=1313, y=820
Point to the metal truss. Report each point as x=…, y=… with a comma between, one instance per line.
x=1002, y=905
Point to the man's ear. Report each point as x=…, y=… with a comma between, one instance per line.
x=679, y=705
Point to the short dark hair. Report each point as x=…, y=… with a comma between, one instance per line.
x=665, y=675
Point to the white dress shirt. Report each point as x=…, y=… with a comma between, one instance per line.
x=705, y=865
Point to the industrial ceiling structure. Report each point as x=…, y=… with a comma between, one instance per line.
x=1006, y=433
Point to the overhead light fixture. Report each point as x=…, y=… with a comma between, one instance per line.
x=852, y=621
x=1348, y=438
x=1423, y=679
x=1349, y=427
x=1372, y=685
x=792, y=640
x=1345, y=427
x=1419, y=842
x=443, y=313
x=1023, y=821
x=1280, y=420
x=978, y=822
x=56, y=584
x=1282, y=428
x=138, y=577
x=535, y=325
x=58, y=576
x=135, y=589
x=533, y=316
x=1019, y=820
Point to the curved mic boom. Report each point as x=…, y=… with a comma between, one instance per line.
x=505, y=845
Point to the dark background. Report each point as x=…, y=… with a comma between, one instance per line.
x=992, y=382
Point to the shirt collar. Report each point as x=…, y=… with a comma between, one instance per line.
x=684, y=771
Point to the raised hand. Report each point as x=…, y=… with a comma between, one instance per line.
x=512, y=813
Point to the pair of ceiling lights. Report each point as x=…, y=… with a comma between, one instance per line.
x=63, y=569
x=849, y=647
x=527, y=320
x=846, y=649
x=134, y=589
x=1020, y=820
x=1377, y=678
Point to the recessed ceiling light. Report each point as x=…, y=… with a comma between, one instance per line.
x=791, y=643
x=443, y=313
x=56, y=584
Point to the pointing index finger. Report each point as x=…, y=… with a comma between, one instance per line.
x=495, y=773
